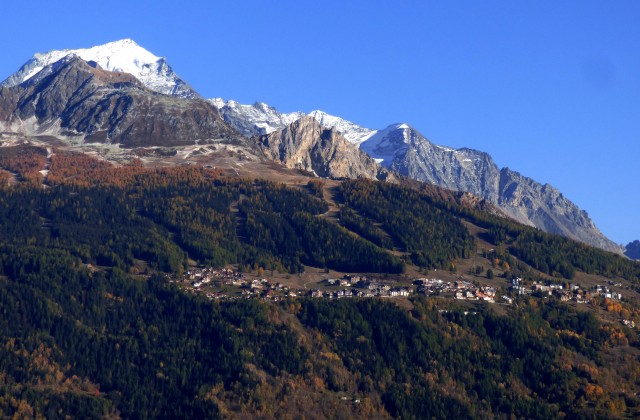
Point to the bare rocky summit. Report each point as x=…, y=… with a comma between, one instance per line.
x=306, y=145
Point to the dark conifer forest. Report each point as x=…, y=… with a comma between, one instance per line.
x=93, y=326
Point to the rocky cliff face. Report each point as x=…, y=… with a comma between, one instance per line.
x=306, y=145
x=403, y=149
x=544, y=207
x=72, y=98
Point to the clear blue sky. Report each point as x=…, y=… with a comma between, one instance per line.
x=548, y=88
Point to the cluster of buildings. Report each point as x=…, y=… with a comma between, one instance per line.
x=199, y=277
x=460, y=289
x=571, y=293
x=360, y=287
x=221, y=280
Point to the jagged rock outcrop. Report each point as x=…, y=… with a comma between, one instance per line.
x=403, y=149
x=306, y=145
x=72, y=98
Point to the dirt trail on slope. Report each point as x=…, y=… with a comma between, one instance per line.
x=329, y=194
x=47, y=166
x=240, y=219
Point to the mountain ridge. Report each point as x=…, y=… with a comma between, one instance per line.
x=405, y=150
x=398, y=147
x=73, y=99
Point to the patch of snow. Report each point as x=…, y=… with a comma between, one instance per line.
x=446, y=149
x=356, y=134
x=256, y=119
x=261, y=118
x=385, y=145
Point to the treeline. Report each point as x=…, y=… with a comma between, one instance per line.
x=552, y=254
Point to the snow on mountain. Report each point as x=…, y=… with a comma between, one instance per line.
x=260, y=119
x=354, y=133
x=257, y=119
x=119, y=56
x=385, y=145
x=409, y=153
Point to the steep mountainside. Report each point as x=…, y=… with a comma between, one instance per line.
x=306, y=145
x=119, y=56
x=401, y=148
x=633, y=250
x=73, y=99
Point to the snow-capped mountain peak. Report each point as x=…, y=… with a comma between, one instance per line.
x=356, y=134
x=261, y=118
x=256, y=119
x=124, y=55
x=385, y=144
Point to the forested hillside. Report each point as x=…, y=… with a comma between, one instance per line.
x=93, y=325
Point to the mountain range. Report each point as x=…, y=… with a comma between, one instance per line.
x=121, y=94
x=402, y=149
